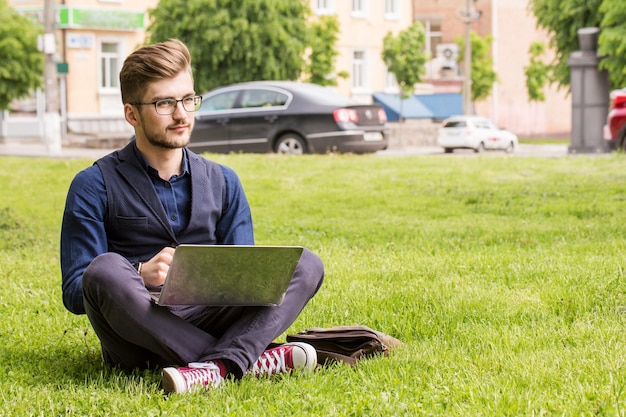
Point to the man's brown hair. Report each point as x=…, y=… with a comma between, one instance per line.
x=152, y=63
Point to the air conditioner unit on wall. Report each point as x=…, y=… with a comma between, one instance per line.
x=448, y=53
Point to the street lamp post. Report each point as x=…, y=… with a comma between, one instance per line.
x=467, y=62
x=468, y=15
x=52, y=118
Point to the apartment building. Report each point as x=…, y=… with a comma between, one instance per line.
x=94, y=37
x=363, y=25
x=513, y=29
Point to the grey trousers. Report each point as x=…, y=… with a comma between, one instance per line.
x=136, y=333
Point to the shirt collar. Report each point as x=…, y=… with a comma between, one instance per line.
x=150, y=170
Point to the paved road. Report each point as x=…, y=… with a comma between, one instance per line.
x=36, y=149
x=523, y=150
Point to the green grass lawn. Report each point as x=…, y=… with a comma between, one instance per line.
x=504, y=277
x=545, y=141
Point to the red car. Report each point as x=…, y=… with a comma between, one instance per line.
x=615, y=127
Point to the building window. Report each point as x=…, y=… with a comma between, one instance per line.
x=392, y=9
x=109, y=65
x=433, y=36
x=324, y=7
x=359, y=8
x=391, y=84
x=359, y=70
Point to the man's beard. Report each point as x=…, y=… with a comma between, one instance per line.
x=161, y=141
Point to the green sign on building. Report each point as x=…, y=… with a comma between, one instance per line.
x=62, y=67
x=86, y=18
x=70, y=17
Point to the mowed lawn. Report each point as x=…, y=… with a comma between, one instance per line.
x=504, y=277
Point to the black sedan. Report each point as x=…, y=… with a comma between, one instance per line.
x=286, y=117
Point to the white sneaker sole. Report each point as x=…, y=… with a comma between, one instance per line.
x=172, y=381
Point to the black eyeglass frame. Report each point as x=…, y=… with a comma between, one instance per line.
x=197, y=102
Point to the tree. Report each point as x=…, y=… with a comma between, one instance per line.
x=537, y=72
x=321, y=63
x=235, y=40
x=612, y=41
x=405, y=57
x=483, y=75
x=562, y=19
x=21, y=71
x=537, y=76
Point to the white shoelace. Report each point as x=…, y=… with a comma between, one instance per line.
x=271, y=362
x=202, y=373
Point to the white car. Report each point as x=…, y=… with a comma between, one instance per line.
x=474, y=132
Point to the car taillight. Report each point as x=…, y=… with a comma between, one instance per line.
x=346, y=116
x=619, y=101
x=382, y=116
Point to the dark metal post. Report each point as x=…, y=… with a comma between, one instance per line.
x=590, y=90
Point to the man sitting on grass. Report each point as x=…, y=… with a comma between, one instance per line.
x=125, y=214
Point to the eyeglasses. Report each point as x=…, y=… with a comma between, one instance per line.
x=168, y=106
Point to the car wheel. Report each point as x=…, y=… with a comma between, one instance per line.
x=510, y=148
x=480, y=148
x=290, y=144
x=448, y=150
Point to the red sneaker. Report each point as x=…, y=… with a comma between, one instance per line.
x=197, y=375
x=285, y=358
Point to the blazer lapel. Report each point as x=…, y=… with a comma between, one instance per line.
x=136, y=176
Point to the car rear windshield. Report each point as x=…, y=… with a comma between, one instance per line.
x=456, y=123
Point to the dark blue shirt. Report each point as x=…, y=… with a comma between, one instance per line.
x=173, y=193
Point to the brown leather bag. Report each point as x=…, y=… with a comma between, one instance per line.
x=346, y=344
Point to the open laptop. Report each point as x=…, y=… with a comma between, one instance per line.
x=221, y=275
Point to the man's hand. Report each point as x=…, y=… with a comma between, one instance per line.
x=154, y=271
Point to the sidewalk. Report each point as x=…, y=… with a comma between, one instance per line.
x=38, y=149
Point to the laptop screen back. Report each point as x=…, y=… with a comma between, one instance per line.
x=229, y=275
